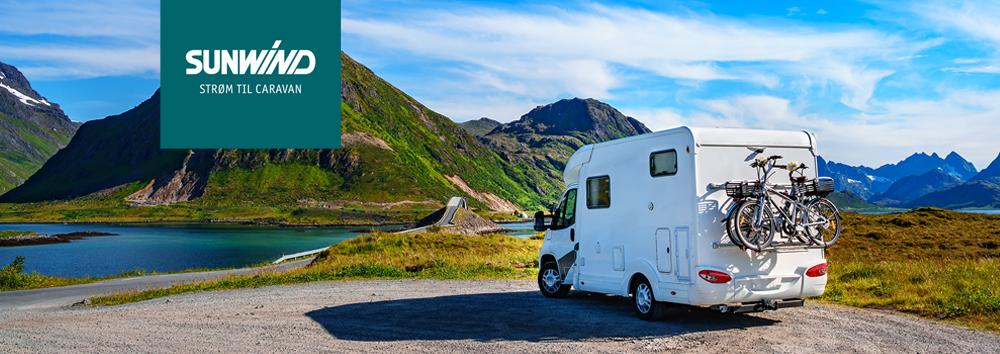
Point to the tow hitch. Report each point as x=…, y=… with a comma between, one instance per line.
x=763, y=305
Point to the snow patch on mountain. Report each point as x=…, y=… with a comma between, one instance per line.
x=22, y=97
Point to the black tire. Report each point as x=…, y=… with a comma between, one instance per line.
x=549, y=287
x=755, y=238
x=644, y=302
x=828, y=233
x=731, y=225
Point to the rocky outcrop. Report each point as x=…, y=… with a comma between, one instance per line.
x=491, y=200
x=469, y=223
x=185, y=184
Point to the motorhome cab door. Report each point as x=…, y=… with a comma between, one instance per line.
x=561, y=236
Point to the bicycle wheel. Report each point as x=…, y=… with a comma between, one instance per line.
x=731, y=225
x=753, y=234
x=826, y=217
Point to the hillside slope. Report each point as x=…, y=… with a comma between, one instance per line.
x=32, y=129
x=395, y=150
x=541, y=141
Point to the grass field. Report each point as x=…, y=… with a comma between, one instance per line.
x=929, y=262
x=385, y=256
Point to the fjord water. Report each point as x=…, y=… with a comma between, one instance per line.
x=165, y=248
x=172, y=248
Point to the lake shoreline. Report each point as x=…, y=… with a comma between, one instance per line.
x=240, y=223
x=29, y=238
x=202, y=222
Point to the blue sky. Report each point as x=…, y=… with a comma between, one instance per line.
x=94, y=58
x=875, y=80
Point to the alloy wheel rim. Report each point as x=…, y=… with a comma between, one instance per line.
x=643, y=298
x=551, y=280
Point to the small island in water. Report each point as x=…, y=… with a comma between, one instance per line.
x=25, y=238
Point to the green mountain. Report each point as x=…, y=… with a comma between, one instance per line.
x=480, y=127
x=541, y=141
x=32, y=129
x=396, y=151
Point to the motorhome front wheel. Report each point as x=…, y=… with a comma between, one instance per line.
x=550, y=281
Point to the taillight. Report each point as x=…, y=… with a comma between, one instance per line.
x=715, y=277
x=817, y=270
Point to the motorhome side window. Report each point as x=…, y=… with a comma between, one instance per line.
x=598, y=192
x=565, y=215
x=663, y=163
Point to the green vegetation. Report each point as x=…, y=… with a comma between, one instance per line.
x=929, y=262
x=111, y=207
x=9, y=233
x=13, y=277
x=384, y=256
x=18, y=162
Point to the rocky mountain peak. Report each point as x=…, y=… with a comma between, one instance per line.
x=960, y=166
x=19, y=99
x=480, y=127
x=990, y=172
x=592, y=119
x=920, y=163
x=31, y=128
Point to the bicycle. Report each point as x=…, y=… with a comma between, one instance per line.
x=806, y=213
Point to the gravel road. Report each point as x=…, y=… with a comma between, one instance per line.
x=459, y=316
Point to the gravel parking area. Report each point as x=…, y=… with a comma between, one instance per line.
x=459, y=316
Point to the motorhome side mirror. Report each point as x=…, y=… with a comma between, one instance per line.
x=541, y=224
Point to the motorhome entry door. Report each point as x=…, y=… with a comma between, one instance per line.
x=664, y=260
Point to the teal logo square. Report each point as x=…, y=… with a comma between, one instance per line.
x=250, y=74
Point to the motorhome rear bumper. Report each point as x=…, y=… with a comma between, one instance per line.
x=758, y=306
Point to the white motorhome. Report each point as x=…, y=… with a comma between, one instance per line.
x=643, y=216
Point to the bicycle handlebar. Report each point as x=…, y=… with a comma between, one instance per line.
x=764, y=162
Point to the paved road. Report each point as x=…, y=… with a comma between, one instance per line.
x=460, y=316
x=447, y=218
x=67, y=295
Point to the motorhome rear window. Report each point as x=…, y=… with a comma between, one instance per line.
x=663, y=163
x=598, y=192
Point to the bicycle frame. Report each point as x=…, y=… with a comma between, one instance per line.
x=766, y=192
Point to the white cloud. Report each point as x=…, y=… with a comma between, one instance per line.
x=962, y=121
x=548, y=52
x=977, y=19
x=975, y=69
x=82, y=39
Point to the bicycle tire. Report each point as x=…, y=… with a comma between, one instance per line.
x=754, y=240
x=832, y=228
x=730, y=225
